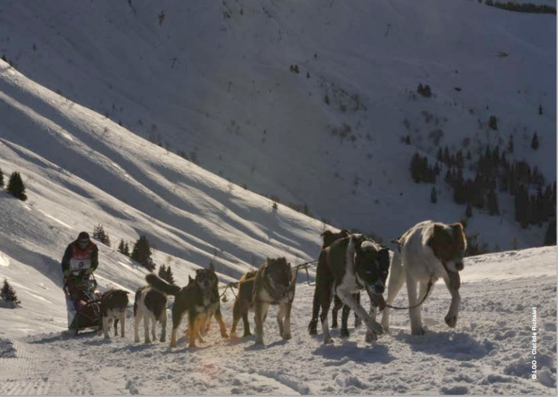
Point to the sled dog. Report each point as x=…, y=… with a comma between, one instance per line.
x=329, y=238
x=274, y=284
x=200, y=299
x=428, y=251
x=244, y=302
x=349, y=265
x=113, y=307
x=150, y=306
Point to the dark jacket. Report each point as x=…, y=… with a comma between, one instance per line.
x=77, y=259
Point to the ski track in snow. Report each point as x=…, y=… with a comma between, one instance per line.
x=488, y=352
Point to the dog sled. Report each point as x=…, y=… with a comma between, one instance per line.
x=83, y=303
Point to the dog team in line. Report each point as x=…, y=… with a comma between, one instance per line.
x=348, y=264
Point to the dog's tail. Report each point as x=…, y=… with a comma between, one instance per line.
x=161, y=285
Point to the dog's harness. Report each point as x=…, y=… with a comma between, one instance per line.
x=428, y=288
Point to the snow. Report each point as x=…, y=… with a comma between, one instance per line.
x=205, y=84
x=487, y=353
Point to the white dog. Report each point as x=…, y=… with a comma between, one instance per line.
x=429, y=251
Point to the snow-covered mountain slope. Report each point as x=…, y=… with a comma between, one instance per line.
x=489, y=352
x=81, y=169
x=213, y=80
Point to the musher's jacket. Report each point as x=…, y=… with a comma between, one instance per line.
x=76, y=259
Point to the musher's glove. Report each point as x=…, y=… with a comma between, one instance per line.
x=89, y=271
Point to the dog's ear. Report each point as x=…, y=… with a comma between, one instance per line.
x=383, y=256
x=457, y=230
x=327, y=233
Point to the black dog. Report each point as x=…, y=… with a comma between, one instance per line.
x=348, y=265
x=200, y=299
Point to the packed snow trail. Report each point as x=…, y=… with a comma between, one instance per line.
x=488, y=353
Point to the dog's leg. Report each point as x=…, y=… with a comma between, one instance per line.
x=137, y=320
x=326, y=303
x=246, y=324
x=198, y=327
x=345, y=320
x=176, y=319
x=192, y=331
x=123, y=323
x=414, y=314
x=348, y=299
x=451, y=317
x=287, y=322
x=106, y=326
x=146, y=321
x=219, y=318
x=358, y=321
x=312, y=327
x=396, y=281
x=163, y=321
x=116, y=326
x=238, y=311
x=371, y=336
x=154, y=329
x=280, y=316
x=260, y=316
x=337, y=305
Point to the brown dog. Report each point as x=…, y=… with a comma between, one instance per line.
x=274, y=284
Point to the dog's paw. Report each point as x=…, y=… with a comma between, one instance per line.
x=418, y=331
x=344, y=333
x=259, y=341
x=376, y=328
x=137, y=340
x=371, y=336
x=246, y=334
x=224, y=335
x=147, y=341
x=286, y=336
x=451, y=320
x=328, y=341
x=334, y=325
x=162, y=340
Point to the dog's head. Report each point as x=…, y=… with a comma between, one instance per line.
x=279, y=276
x=206, y=279
x=449, y=244
x=330, y=237
x=371, y=265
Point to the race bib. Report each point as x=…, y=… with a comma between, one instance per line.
x=79, y=264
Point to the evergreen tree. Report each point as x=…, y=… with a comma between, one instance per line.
x=469, y=211
x=540, y=110
x=141, y=253
x=550, y=235
x=510, y=145
x=492, y=200
x=8, y=294
x=439, y=156
x=100, y=235
x=16, y=187
x=169, y=275
x=522, y=206
x=122, y=247
x=535, y=141
x=1, y=179
x=493, y=123
x=433, y=196
x=126, y=249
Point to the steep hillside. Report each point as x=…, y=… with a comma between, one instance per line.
x=217, y=82
x=81, y=170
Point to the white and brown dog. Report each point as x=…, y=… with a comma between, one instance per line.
x=113, y=307
x=428, y=251
x=150, y=306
